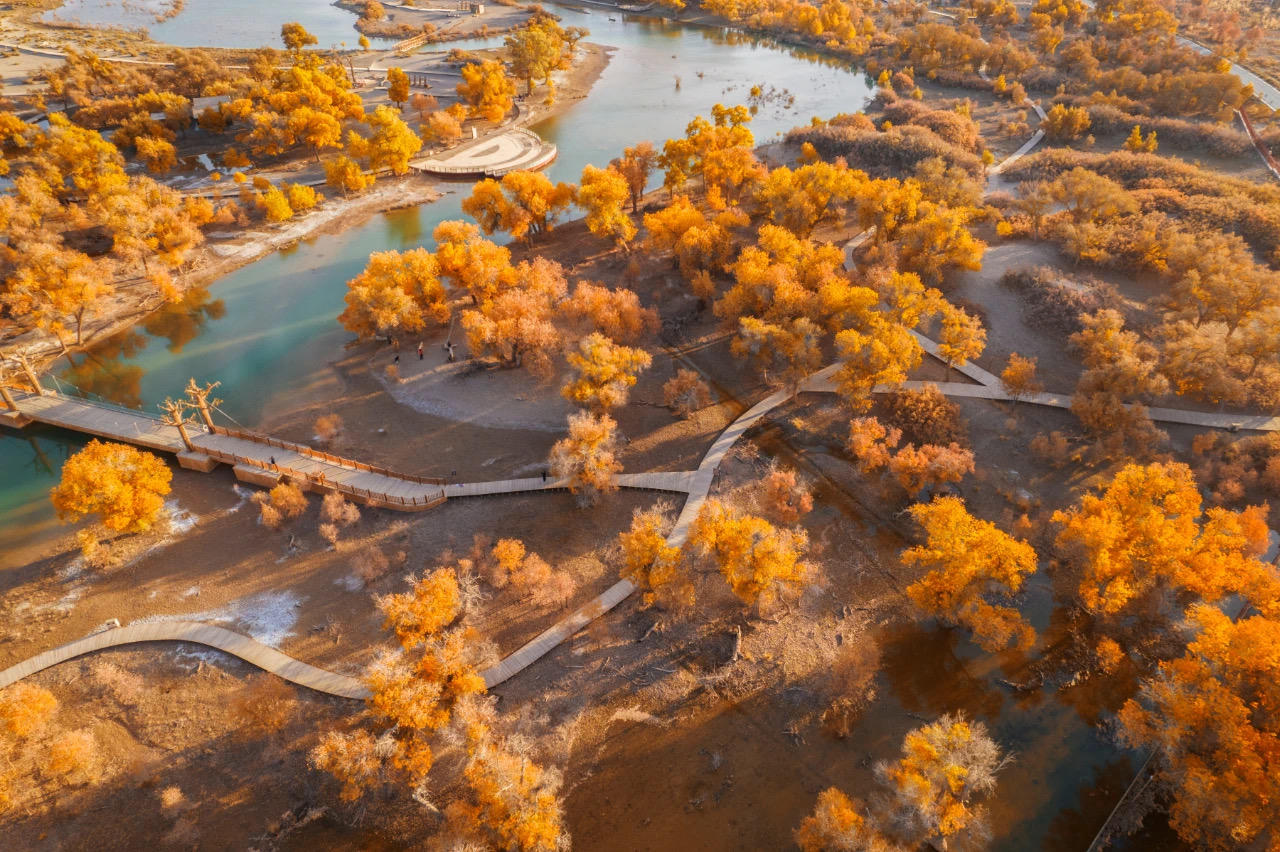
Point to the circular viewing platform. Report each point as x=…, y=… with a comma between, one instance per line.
x=515, y=150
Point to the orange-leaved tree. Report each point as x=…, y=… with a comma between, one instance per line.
x=969, y=561
x=604, y=372
x=524, y=204
x=652, y=564
x=415, y=691
x=1146, y=536
x=518, y=324
x=1214, y=716
x=935, y=787
x=397, y=292
x=586, y=457
x=123, y=486
x=487, y=89
x=761, y=563
x=602, y=194
x=840, y=823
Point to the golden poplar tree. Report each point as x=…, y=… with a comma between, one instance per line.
x=123, y=486
x=604, y=372
x=969, y=561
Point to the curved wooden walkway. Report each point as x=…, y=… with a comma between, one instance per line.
x=236, y=644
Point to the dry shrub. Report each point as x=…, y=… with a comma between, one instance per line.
x=532, y=573
x=288, y=499
x=685, y=393
x=557, y=590
x=481, y=554
x=1237, y=471
x=952, y=127
x=328, y=427
x=96, y=553
x=925, y=416
x=73, y=757
x=1051, y=303
x=268, y=514
x=281, y=503
x=265, y=706
x=25, y=709
x=335, y=509
x=852, y=676
x=784, y=497
x=329, y=532
x=126, y=687
x=172, y=798
x=1054, y=449
x=371, y=564
x=336, y=513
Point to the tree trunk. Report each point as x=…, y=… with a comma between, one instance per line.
x=737, y=645
x=186, y=440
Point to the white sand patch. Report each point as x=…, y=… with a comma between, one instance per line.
x=351, y=583
x=244, y=494
x=62, y=605
x=268, y=617
x=499, y=398
x=181, y=521
x=635, y=714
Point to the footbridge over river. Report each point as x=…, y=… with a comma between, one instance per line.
x=257, y=459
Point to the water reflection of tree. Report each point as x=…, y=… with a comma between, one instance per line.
x=41, y=460
x=928, y=677
x=105, y=369
x=405, y=226
x=182, y=321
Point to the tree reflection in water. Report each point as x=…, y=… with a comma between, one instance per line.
x=107, y=368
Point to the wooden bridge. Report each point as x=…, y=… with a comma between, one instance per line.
x=258, y=459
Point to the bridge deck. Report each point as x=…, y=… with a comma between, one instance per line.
x=316, y=473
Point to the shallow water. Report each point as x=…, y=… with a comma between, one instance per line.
x=218, y=23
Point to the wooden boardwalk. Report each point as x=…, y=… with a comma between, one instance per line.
x=235, y=644
x=258, y=458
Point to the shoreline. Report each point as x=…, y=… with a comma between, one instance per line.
x=215, y=259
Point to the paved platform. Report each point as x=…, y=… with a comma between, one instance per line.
x=515, y=150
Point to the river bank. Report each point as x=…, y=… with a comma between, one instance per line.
x=136, y=298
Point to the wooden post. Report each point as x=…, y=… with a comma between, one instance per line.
x=176, y=411
x=32, y=378
x=199, y=397
x=7, y=397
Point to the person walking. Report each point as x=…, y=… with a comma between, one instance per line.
x=397, y=358
x=544, y=477
x=419, y=350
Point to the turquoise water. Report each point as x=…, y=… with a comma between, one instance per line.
x=224, y=23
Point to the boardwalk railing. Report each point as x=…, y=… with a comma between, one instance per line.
x=1263, y=150
x=321, y=483
x=88, y=396
x=340, y=461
